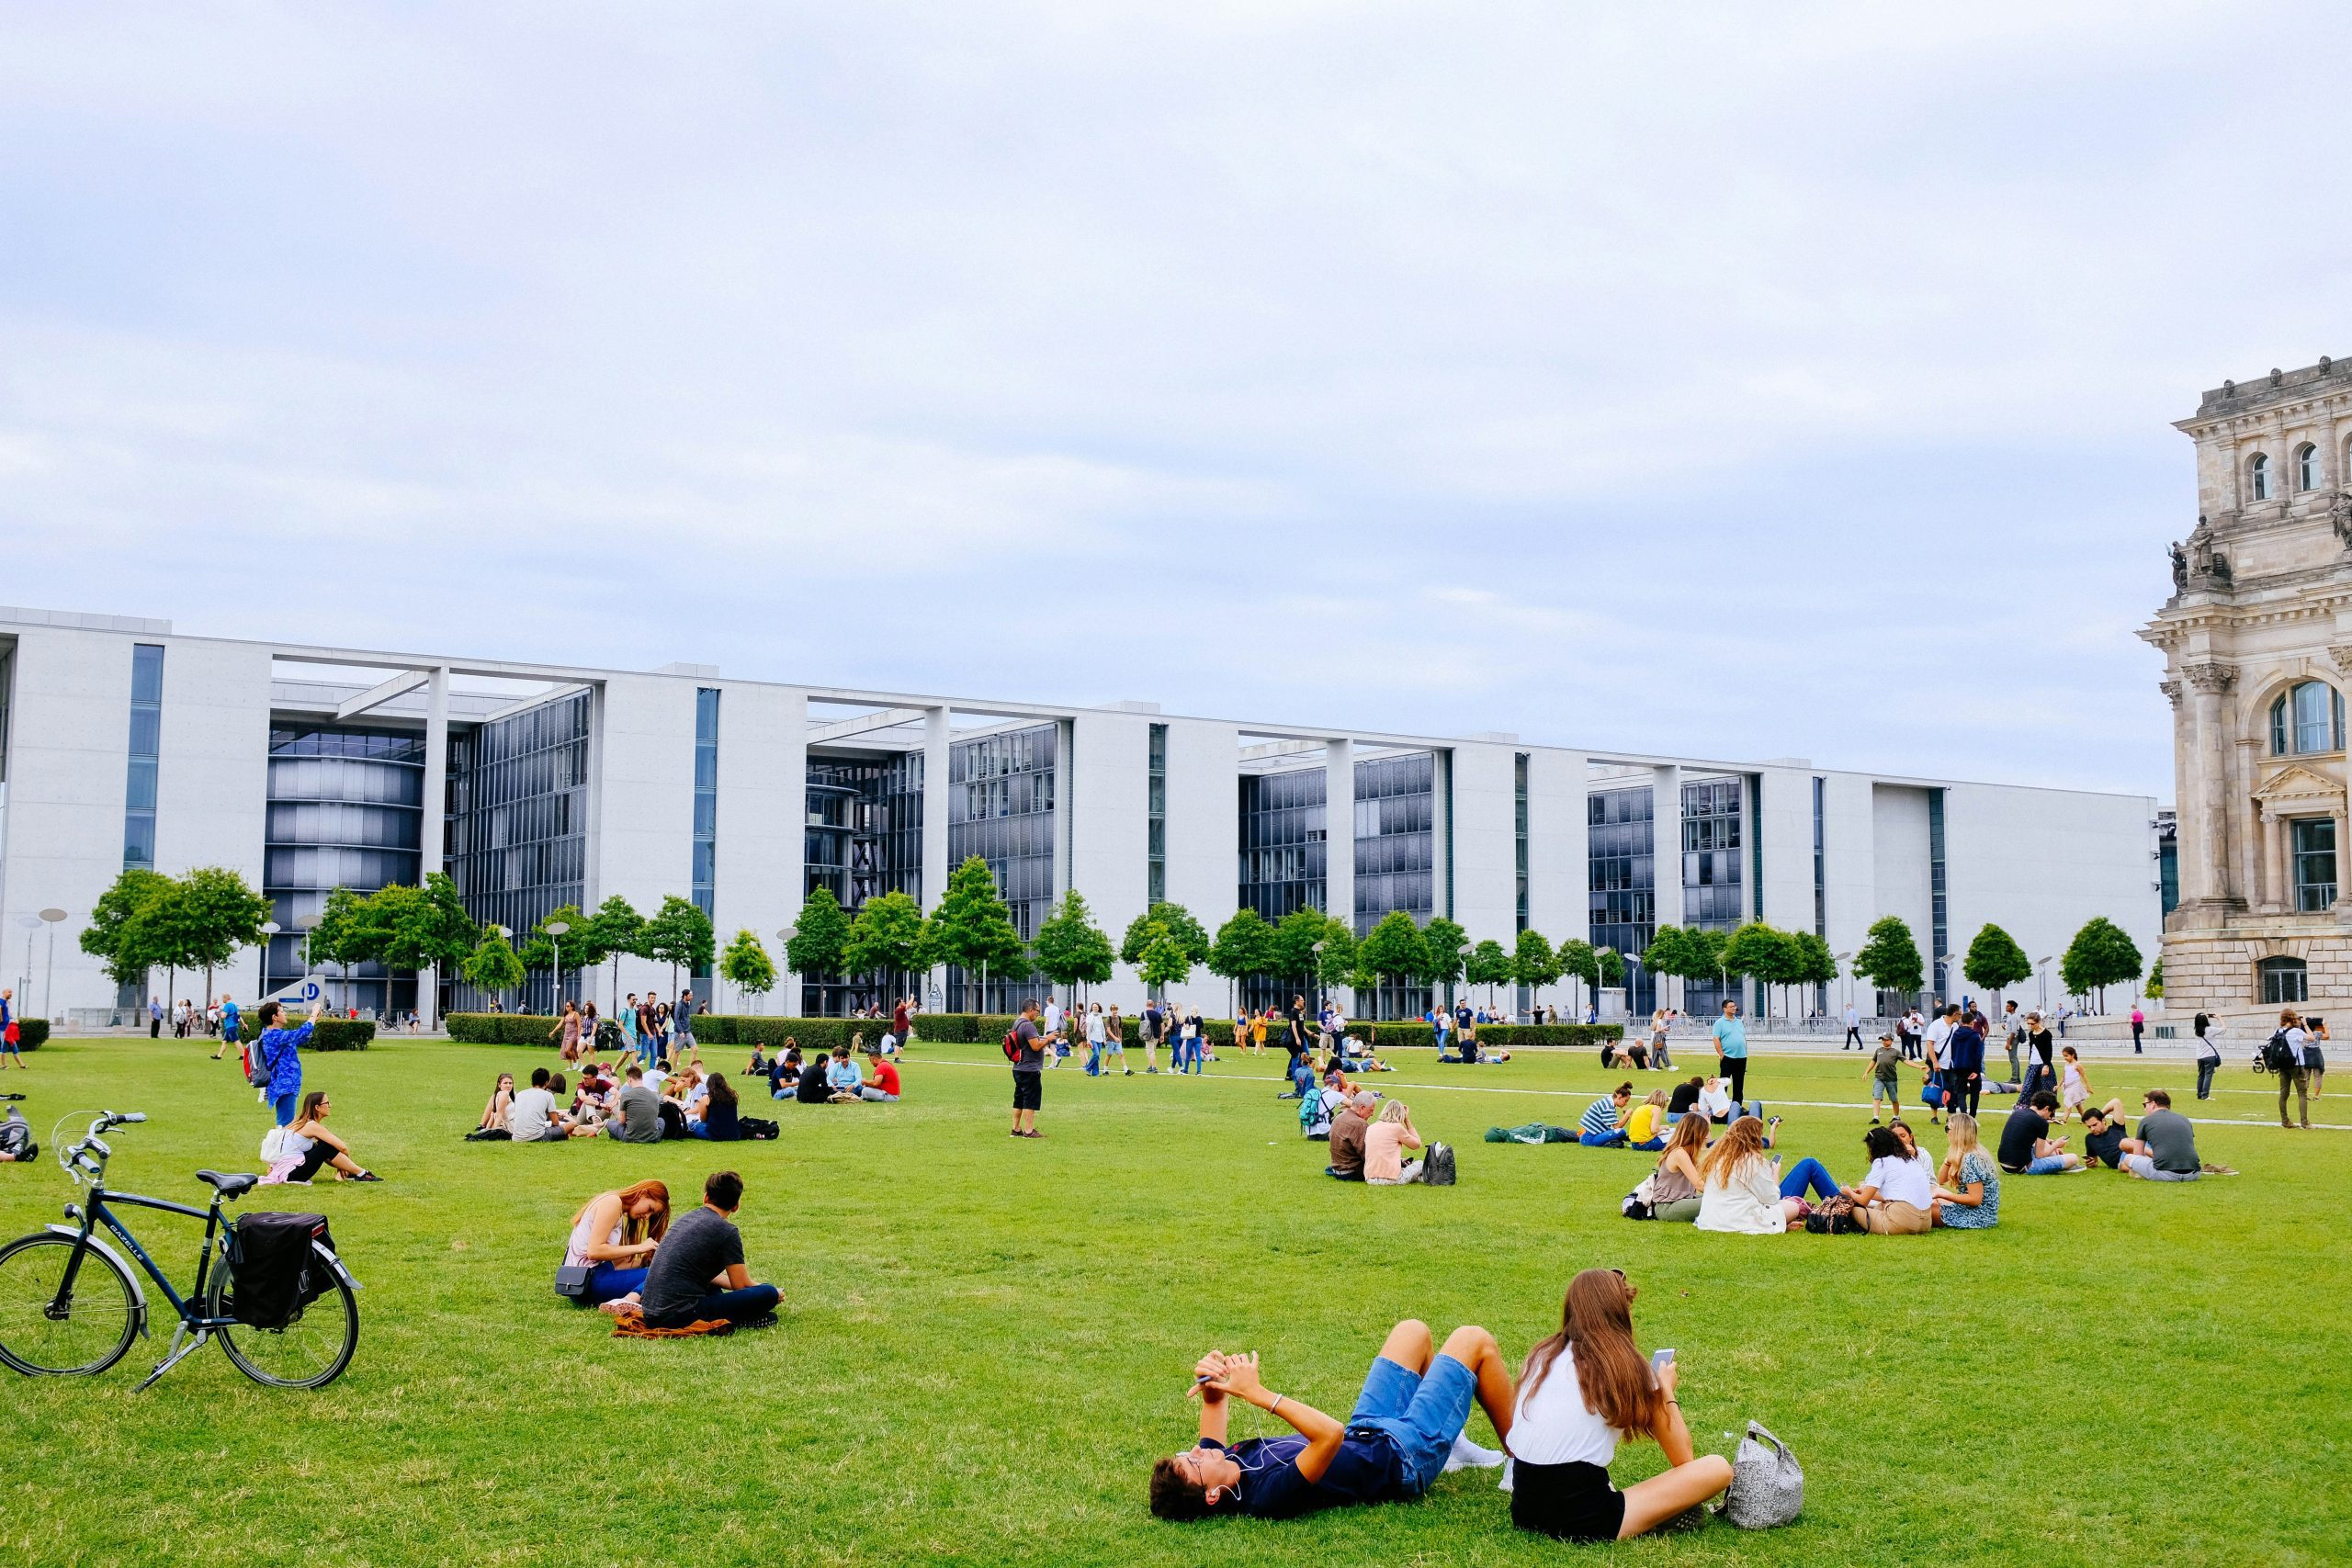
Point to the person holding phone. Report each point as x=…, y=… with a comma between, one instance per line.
x=280, y=1050
x=1582, y=1391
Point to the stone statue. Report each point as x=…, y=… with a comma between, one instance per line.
x=2339, y=516
x=2179, y=567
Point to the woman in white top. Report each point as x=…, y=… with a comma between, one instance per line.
x=2209, y=1053
x=1740, y=1189
x=614, y=1229
x=1714, y=1103
x=1898, y=1197
x=1582, y=1391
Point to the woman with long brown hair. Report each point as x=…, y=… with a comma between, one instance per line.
x=1674, y=1186
x=1582, y=1393
x=613, y=1229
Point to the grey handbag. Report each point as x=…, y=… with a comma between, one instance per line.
x=1767, y=1483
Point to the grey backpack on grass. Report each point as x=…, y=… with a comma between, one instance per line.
x=1437, y=1168
x=1767, y=1483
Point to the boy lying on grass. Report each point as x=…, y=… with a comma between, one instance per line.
x=1405, y=1432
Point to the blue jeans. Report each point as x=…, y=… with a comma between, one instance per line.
x=1602, y=1139
x=2048, y=1164
x=1808, y=1173
x=2205, y=1077
x=610, y=1284
x=283, y=1106
x=731, y=1306
x=1422, y=1414
x=1093, y=1060
x=1648, y=1146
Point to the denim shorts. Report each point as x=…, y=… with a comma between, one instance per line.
x=1421, y=1414
x=2048, y=1164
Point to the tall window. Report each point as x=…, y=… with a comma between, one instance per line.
x=2257, y=473
x=1519, y=825
x=2285, y=981
x=1156, y=819
x=146, y=744
x=1939, y=905
x=2307, y=467
x=2307, y=718
x=2314, y=863
x=705, y=798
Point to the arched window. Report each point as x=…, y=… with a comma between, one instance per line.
x=2284, y=980
x=2307, y=717
x=2257, y=474
x=2307, y=467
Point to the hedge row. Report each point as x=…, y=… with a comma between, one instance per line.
x=971, y=1029
x=341, y=1035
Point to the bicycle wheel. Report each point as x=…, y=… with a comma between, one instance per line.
x=309, y=1350
x=85, y=1332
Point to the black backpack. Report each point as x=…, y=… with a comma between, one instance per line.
x=1437, y=1166
x=2277, y=1055
x=673, y=1119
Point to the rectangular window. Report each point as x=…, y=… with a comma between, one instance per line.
x=1004, y=814
x=146, y=748
x=706, y=844
x=2314, y=863
x=1939, y=929
x=1621, y=865
x=1156, y=819
x=1519, y=827
x=1820, y=869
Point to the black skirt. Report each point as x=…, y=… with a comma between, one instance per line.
x=1567, y=1501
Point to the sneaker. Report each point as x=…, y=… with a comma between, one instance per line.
x=1467, y=1455
x=1131, y=1071
x=766, y=1320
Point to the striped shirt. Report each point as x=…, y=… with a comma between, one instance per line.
x=1600, y=1117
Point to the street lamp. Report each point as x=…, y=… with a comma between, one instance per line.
x=785, y=951
x=2043, y=966
x=48, y=986
x=1314, y=955
x=554, y=929
x=1843, y=960
x=1943, y=975
x=261, y=970
x=31, y=924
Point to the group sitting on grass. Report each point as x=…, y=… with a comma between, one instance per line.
x=637, y=1104
x=1579, y=1394
x=1737, y=1185
x=2164, y=1150
x=672, y=1274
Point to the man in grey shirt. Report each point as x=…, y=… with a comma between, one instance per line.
x=1030, y=1043
x=2165, y=1149
x=637, y=1112
x=682, y=1026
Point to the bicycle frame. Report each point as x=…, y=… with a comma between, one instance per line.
x=188, y=1310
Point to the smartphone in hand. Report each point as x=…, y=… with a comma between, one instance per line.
x=1660, y=1359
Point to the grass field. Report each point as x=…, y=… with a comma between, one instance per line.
x=988, y=1340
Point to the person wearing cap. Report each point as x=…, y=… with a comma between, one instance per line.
x=1346, y=1137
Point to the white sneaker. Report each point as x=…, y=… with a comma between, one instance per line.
x=1467, y=1455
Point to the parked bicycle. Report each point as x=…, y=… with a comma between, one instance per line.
x=70, y=1306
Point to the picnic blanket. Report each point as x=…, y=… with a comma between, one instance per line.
x=632, y=1325
x=1532, y=1132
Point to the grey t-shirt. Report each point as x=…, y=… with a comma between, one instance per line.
x=2171, y=1140
x=694, y=1251
x=640, y=1110
x=1028, y=1057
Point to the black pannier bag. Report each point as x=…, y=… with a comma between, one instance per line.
x=273, y=1273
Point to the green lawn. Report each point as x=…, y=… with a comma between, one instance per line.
x=989, y=1341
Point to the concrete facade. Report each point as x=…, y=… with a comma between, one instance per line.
x=2039, y=862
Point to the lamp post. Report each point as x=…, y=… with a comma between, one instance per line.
x=1315, y=958
x=1944, y=975
x=2043, y=966
x=786, y=936
x=25, y=984
x=555, y=929
x=308, y=923
x=49, y=984
x=269, y=929
x=1843, y=960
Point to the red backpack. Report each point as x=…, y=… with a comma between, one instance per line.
x=1012, y=1043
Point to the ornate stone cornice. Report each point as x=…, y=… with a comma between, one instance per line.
x=2171, y=688
x=2210, y=678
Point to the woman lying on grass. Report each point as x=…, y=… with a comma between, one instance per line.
x=1582, y=1391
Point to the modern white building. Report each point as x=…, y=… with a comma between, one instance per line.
x=536, y=786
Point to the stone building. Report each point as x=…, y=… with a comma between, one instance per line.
x=2258, y=644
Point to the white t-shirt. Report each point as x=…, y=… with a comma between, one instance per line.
x=1938, y=1032
x=2209, y=1044
x=1713, y=1101
x=1052, y=1018
x=528, y=1118
x=1095, y=1028
x=1902, y=1181
x=1552, y=1427
x=2298, y=1042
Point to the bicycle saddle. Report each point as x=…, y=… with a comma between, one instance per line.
x=228, y=1186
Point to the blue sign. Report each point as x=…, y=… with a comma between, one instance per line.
x=310, y=990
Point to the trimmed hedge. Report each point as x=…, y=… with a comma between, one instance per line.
x=341, y=1035
x=32, y=1034
x=988, y=1028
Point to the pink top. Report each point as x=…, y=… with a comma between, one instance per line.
x=1383, y=1144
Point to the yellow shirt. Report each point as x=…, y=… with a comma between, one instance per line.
x=1645, y=1123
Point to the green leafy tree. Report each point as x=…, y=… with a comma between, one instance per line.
x=971, y=929
x=576, y=947
x=1172, y=919
x=680, y=935
x=2101, y=954
x=617, y=931
x=1394, y=950
x=1578, y=960
x=350, y=930
x=1071, y=948
x=1758, y=952
x=492, y=965
x=1995, y=961
x=886, y=937
x=2156, y=981
x=424, y=929
x=1487, y=965
x=1339, y=964
x=1292, y=957
x=1448, y=944
x=112, y=935
x=1245, y=945
x=1815, y=965
x=1611, y=965
x=1535, y=964
x=1889, y=958
x=1165, y=960
x=746, y=964
x=820, y=941
x=217, y=915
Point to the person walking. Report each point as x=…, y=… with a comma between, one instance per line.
x=2013, y=1034
x=2289, y=1072
x=1731, y=1051
x=2209, y=1053
x=232, y=1021
x=682, y=1026
x=1854, y=1028
x=9, y=1033
x=2139, y=1022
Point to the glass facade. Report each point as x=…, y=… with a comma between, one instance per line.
x=2168, y=860
x=1939, y=920
x=1282, y=832
x=1156, y=818
x=1518, y=830
x=705, y=851
x=1396, y=851
x=1000, y=799
x=7, y=686
x=864, y=837
x=1620, y=863
x=347, y=810
x=1820, y=879
x=517, y=828
x=1714, y=893
x=146, y=745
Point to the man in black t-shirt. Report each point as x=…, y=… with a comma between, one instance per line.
x=1030, y=1043
x=1407, y=1425
x=2027, y=1148
x=2103, y=1139
x=698, y=1249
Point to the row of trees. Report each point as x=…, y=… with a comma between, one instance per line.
x=148, y=921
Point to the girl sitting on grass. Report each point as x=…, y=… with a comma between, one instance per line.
x=502, y=1096
x=306, y=1148
x=614, y=1236
x=1968, y=1185
x=1674, y=1188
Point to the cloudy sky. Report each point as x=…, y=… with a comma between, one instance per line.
x=1742, y=381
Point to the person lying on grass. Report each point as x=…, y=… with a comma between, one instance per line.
x=1405, y=1431
x=1582, y=1393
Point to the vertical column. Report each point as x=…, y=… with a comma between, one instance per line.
x=1442, y=834
x=1065, y=802
x=2208, y=817
x=1339, y=831
x=935, y=807
x=437, y=805
x=2276, y=893
x=1666, y=854
x=2342, y=905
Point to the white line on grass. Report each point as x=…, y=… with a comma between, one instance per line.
x=1577, y=1093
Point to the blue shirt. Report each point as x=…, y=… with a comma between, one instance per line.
x=281, y=1051
x=844, y=1075
x=1964, y=1051
x=230, y=1019
x=1271, y=1488
x=1600, y=1117
x=1731, y=1037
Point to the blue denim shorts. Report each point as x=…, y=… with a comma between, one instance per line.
x=1422, y=1415
x=2048, y=1164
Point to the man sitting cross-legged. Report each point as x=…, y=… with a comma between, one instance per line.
x=1406, y=1430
